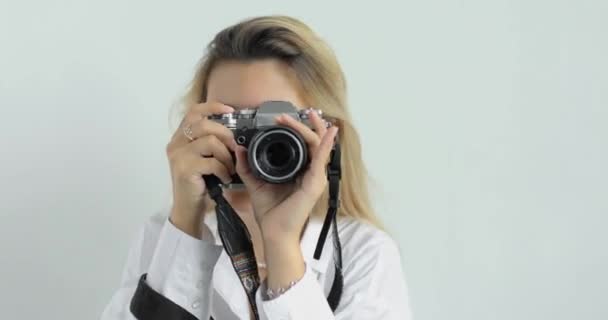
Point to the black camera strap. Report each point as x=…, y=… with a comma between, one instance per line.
x=334, y=174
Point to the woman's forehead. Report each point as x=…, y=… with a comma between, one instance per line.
x=249, y=84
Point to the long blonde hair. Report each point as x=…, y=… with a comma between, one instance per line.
x=321, y=78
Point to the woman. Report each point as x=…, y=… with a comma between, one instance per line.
x=274, y=58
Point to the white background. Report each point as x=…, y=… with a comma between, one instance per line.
x=484, y=124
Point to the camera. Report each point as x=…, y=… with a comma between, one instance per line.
x=275, y=153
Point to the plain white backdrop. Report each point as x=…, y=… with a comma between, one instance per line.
x=484, y=125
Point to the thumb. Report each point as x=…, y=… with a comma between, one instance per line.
x=242, y=166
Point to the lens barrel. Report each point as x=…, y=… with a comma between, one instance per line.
x=277, y=154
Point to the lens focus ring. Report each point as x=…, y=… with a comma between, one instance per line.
x=277, y=154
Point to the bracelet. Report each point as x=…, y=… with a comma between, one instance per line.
x=271, y=294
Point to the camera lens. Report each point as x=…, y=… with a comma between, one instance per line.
x=277, y=154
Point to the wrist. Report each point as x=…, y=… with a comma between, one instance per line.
x=274, y=290
x=277, y=237
x=284, y=263
x=281, y=232
x=187, y=223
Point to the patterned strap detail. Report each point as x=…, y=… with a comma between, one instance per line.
x=236, y=241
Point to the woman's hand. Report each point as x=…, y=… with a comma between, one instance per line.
x=281, y=210
x=207, y=153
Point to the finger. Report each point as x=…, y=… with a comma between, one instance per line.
x=208, y=127
x=317, y=123
x=212, y=147
x=310, y=137
x=195, y=114
x=242, y=166
x=179, y=138
x=200, y=111
x=208, y=166
x=320, y=159
x=208, y=108
x=241, y=160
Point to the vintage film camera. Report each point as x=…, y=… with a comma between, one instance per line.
x=276, y=154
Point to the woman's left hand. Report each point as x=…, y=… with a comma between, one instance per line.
x=281, y=210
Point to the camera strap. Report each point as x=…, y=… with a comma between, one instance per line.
x=334, y=174
x=237, y=240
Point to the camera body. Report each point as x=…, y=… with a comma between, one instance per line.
x=276, y=154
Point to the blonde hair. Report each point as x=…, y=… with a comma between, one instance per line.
x=321, y=78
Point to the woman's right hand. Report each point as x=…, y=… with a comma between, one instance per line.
x=207, y=153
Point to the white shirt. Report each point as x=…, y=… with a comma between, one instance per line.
x=198, y=275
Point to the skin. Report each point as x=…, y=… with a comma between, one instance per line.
x=277, y=214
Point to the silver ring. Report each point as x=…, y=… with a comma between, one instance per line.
x=188, y=132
